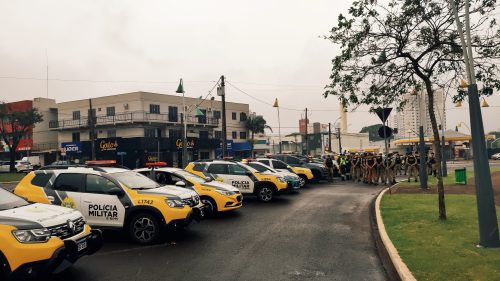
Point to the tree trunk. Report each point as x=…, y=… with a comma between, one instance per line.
x=12, y=156
x=437, y=150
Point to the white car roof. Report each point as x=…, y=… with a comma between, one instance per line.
x=164, y=169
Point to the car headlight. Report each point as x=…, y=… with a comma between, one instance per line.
x=226, y=192
x=175, y=203
x=281, y=179
x=41, y=235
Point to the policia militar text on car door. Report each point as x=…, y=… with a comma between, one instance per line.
x=112, y=198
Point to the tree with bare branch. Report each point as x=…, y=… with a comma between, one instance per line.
x=391, y=48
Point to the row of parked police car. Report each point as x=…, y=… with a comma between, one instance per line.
x=55, y=215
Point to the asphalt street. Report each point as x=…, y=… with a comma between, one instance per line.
x=320, y=233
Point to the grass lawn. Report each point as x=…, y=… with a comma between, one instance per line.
x=6, y=177
x=435, y=250
x=450, y=179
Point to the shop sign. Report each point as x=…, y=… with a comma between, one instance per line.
x=189, y=142
x=108, y=145
x=71, y=147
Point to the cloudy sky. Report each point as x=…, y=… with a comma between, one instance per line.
x=267, y=49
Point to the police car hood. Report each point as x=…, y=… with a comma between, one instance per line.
x=285, y=173
x=38, y=215
x=221, y=186
x=171, y=190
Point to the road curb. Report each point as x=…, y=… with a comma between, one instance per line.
x=399, y=266
x=9, y=182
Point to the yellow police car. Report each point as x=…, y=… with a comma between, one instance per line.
x=305, y=174
x=115, y=198
x=245, y=178
x=39, y=239
x=218, y=196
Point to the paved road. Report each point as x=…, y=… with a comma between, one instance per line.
x=323, y=233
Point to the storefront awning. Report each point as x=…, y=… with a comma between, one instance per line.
x=449, y=135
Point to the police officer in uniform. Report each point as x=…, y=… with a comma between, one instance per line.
x=379, y=167
x=412, y=163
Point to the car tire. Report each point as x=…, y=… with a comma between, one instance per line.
x=303, y=181
x=265, y=193
x=211, y=205
x=4, y=268
x=144, y=228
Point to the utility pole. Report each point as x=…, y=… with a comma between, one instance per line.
x=340, y=140
x=92, y=129
x=307, y=137
x=330, y=137
x=222, y=92
x=487, y=217
x=423, y=156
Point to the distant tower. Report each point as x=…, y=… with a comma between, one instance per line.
x=343, y=119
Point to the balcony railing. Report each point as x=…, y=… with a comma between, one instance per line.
x=134, y=117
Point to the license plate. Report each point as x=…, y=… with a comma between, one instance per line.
x=81, y=246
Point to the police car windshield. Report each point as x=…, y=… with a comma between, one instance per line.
x=135, y=180
x=247, y=167
x=261, y=167
x=191, y=177
x=9, y=200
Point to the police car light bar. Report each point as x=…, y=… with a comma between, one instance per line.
x=156, y=164
x=100, y=162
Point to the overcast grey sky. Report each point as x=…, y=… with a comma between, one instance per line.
x=267, y=48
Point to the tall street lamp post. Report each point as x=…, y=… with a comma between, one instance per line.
x=180, y=90
x=279, y=123
x=487, y=217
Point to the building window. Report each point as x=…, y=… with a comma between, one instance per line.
x=204, y=135
x=172, y=114
x=218, y=135
x=233, y=115
x=76, y=115
x=204, y=155
x=149, y=132
x=217, y=114
x=111, y=133
x=75, y=137
x=243, y=135
x=175, y=134
x=235, y=135
x=154, y=108
x=243, y=117
x=110, y=111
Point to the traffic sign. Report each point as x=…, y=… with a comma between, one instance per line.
x=383, y=113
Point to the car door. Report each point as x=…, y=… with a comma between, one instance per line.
x=280, y=166
x=98, y=206
x=238, y=178
x=219, y=170
x=66, y=190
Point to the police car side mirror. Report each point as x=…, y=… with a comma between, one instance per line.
x=180, y=184
x=288, y=167
x=116, y=191
x=208, y=179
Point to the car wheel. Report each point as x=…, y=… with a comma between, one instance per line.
x=212, y=206
x=4, y=268
x=144, y=228
x=302, y=180
x=265, y=193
